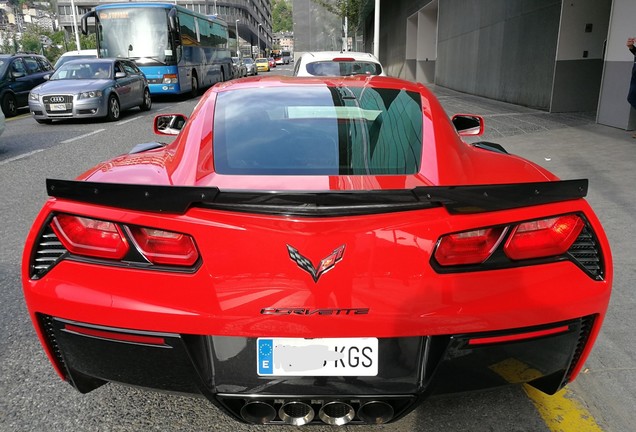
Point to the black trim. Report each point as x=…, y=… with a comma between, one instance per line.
x=456, y=199
x=487, y=145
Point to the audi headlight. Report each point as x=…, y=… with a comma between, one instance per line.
x=34, y=96
x=90, y=94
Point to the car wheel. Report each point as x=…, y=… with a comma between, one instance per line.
x=195, y=86
x=114, y=110
x=9, y=105
x=44, y=121
x=147, y=102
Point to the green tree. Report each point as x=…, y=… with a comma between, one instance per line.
x=282, y=16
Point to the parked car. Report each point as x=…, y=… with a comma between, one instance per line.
x=336, y=63
x=19, y=73
x=250, y=66
x=262, y=65
x=238, y=67
x=75, y=55
x=317, y=250
x=90, y=88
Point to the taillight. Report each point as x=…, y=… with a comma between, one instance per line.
x=165, y=247
x=90, y=237
x=470, y=247
x=543, y=238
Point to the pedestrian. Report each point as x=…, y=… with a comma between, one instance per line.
x=631, y=96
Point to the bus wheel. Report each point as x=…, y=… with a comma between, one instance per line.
x=113, y=108
x=195, y=86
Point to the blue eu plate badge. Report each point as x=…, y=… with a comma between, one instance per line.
x=265, y=356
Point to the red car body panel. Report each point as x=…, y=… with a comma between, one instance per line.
x=246, y=285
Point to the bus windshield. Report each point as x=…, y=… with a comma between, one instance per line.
x=138, y=33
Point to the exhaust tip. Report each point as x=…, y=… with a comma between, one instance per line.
x=336, y=413
x=296, y=413
x=258, y=412
x=375, y=412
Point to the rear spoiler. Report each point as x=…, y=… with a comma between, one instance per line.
x=456, y=199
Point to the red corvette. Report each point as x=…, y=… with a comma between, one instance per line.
x=317, y=250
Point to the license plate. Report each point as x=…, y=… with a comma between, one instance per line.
x=317, y=357
x=58, y=107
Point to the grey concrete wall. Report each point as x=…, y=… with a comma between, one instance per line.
x=394, y=15
x=576, y=85
x=613, y=108
x=501, y=49
x=315, y=29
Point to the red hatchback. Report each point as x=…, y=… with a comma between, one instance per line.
x=317, y=250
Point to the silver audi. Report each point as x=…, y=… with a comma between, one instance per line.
x=90, y=88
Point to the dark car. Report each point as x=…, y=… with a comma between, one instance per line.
x=90, y=88
x=317, y=250
x=19, y=73
x=238, y=67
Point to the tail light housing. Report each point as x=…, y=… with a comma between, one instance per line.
x=165, y=247
x=470, y=247
x=542, y=238
x=100, y=239
x=503, y=246
x=90, y=237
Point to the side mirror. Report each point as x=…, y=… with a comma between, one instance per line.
x=120, y=74
x=15, y=75
x=46, y=77
x=468, y=124
x=169, y=124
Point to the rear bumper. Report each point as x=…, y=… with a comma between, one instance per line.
x=223, y=369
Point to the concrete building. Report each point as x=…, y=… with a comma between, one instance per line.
x=559, y=56
x=284, y=40
x=252, y=18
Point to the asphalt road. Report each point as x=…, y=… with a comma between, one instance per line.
x=33, y=398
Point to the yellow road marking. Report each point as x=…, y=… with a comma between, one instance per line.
x=561, y=412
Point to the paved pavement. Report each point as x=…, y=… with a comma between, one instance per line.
x=504, y=119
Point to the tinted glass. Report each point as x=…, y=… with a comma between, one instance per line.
x=81, y=70
x=318, y=130
x=345, y=68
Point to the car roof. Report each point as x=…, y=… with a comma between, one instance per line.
x=330, y=55
x=94, y=60
x=21, y=55
x=84, y=52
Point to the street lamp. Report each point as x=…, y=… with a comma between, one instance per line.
x=259, y=38
x=237, y=38
x=77, y=38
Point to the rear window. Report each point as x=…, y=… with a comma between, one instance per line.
x=318, y=130
x=343, y=68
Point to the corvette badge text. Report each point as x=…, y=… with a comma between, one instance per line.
x=308, y=311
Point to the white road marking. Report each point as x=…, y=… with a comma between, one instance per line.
x=82, y=136
x=22, y=156
x=127, y=121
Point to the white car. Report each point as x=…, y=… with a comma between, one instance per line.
x=75, y=55
x=337, y=63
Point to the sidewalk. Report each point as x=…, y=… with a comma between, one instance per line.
x=505, y=119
